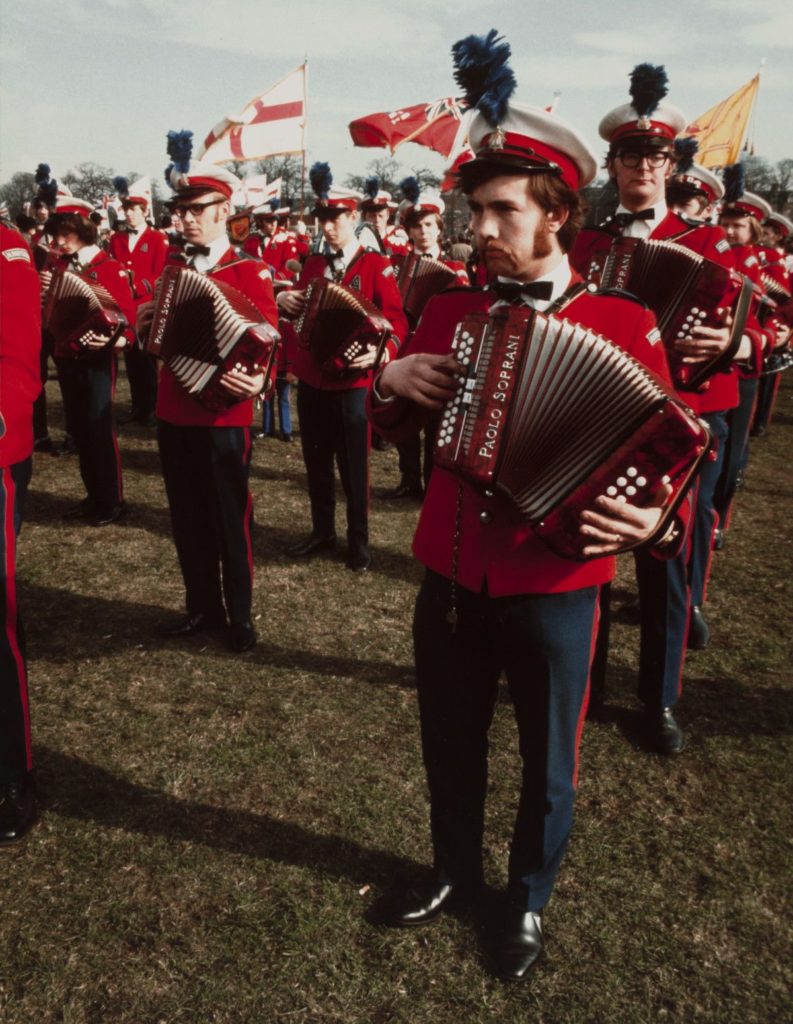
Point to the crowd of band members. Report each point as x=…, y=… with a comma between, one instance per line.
x=206, y=455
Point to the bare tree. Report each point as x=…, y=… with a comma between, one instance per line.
x=20, y=189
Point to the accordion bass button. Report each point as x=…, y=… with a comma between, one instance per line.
x=485, y=517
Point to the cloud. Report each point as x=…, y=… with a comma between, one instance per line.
x=647, y=39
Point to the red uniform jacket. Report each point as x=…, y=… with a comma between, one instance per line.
x=174, y=405
x=276, y=250
x=371, y=274
x=145, y=261
x=721, y=391
x=504, y=552
x=20, y=341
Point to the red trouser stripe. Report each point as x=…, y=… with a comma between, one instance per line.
x=7, y=501
x=585, y=704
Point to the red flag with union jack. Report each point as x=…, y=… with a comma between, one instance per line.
x=273, y=123
x=433, y=125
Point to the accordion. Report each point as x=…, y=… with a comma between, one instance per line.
x=203, y=328
x=552, y=415
x=74, y=307
x=683, y=289
x=337, y=325
x=418, y=278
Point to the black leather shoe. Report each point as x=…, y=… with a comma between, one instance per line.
x=46, y=445
x=85, y=510
x=242, y=636
x=359, y=560
x=420, y=904
x=18, y=811
x=718, y=540
x=406, y=490
x=698, y=630
x=69, y=446
x=665, y=734
x=286, y=437
x=113, y=515
x=518, y=943
x=196, y=622
x=132, y=417
x=312, y=545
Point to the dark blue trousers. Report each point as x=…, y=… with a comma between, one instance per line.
x=543, y=645
x=333, y=424
x=282, y=390
x=705, y=514
x=739, y=420
x=206, y=480
x=87, y=384
x=15, y=751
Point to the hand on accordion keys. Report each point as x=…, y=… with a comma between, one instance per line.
x=705, y=343
x=144, y=320
x=611, y=523
x=291, y=302
x=241, y=384
x=425, y=378
x=367, y=359
x=93, y=340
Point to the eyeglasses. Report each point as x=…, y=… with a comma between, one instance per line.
x=194, y=209
x=632, y=158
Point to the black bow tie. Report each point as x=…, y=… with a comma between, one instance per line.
x=332, y=257
x=516, y=291
x=196, y=250
x=622, y=220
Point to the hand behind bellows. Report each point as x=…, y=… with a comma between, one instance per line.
x=427, y=379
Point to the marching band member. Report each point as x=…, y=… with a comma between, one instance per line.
x=142, y=250
x=20, y=338
x=494, y=596
x=333, y=422
x=741, y=218
x=422, y=216
x=640, y=160
x=206, y=455
x=276, y=246
x=376, y=208
x=771, y=254
x=88, y=381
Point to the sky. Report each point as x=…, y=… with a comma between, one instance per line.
x=104, y=80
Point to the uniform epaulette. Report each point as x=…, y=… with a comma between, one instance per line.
x=693, y=223
x=241, y=254
x=620, y=293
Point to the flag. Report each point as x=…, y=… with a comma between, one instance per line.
x=270, y=124
x=254, y=191
x=432, y=124
x=721, y=130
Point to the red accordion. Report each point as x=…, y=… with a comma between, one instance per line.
x=419, y=277
x=552, y=415
x=683, y=289
x=203, y=328
x=337, y=325
x=75, y=307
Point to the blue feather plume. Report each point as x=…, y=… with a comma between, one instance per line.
x=734, y=182
x=121, y=185
x=371, y=187
x=180, y=149
x=48, y=192
x=274, y=204
x=42, y=174
x=411, y=189
x=321, y=179
x=482, y=71
x=648, y=87
x=685, y=151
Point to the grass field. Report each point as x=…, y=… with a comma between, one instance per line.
x=216, y=830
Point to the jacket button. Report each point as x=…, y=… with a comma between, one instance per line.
x=485, y=517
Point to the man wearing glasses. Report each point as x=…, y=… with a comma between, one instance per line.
x=640, y=159
x=206, y=454
x=142, y=250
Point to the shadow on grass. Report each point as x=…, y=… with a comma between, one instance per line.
x=68, y=627
x=718, y=706
x=74, y=788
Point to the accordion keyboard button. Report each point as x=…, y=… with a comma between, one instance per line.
x=631, y=471
x=641, y=481
x=485, y=517
x=611, y=491
x=621, y=481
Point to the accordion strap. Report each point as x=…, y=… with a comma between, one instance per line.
x=567, y=296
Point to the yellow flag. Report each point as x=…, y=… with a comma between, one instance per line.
x=721, y=130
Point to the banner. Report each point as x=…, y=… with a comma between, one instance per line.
x=254, y=191
x=721, y=130
x=271, y=124
x=433, y=125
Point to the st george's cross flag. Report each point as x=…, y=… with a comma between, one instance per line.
x=273, y=123
x=433, y=125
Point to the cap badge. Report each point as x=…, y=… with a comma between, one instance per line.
x=496, y=139
x=643, y=124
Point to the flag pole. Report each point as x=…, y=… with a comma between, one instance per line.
x=305, y=124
